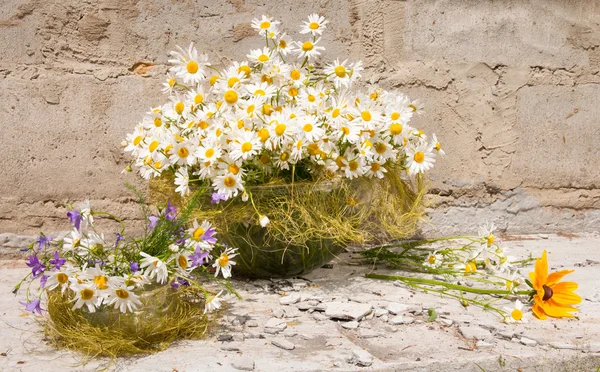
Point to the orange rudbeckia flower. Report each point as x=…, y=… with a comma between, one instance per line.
x=552, y=298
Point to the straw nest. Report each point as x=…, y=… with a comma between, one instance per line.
x=310, y=222
x=166, y=316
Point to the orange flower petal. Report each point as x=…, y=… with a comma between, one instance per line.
x=541, y=269
x=555, y=277
x=533, y=278
x=555, y=310
x=538, y=311
x=563, y=293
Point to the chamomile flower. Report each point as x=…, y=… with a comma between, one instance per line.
x=376, y=170
x=97, y=276
x=200, y=232
x=417, y=107
x=58, y=279
x=433, y=260
x=284, y=45
x=182, y=180
x=228, y=185
x=308, y=49
x=436, y=145
x=315, y=25
x=223, y=263
x=515, y=313
x=169, y=84
x=124, y=299
x=260, y=56
x=86, y=294
x=266, y=26
x=189, y=65
x=213, y=303
x=340, y=73
x=244, y=146
x=486, y=233
x=155, y=268
x=419, y=159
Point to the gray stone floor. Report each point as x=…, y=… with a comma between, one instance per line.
x=286, y=326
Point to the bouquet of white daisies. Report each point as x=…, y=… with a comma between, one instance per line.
x=280, y=116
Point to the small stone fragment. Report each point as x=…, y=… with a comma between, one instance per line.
x=362, y=358
x=290, y=299
x=350, y=325
x=347, y=311
x=243, y=364
x=368, y=333
x=401, y=320
x=333, y=342
x=252, y=323
x=283, y=343
x=303, y=306
x=563, y=346
x=528, y=342
x=275, y=325
x=444, y=321
x=396, y=308
x=225, y=337
x=278, y=313
x=380, y=312
x=484, y=345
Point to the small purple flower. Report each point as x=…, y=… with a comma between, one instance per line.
x=216, y=197
x=57, y=261
x=208, y=236
x=179, y=282
x=33, y=306
x=181, y=233
x=75, y=218
x=43, y=241
x=153, y=222
x=134, y=267
x=198, y=258
x=119, y=238
x=170, y=212
x=37, y=268
x=43, y=281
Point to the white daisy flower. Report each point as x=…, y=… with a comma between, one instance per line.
x=419, y=159
x=266, y=26
x=515, y=314
x=56, y=279
x=124, y=298
x=223, y=263
x=212, y=303
x=155, y=268
x=433, y=260
x=182, y=180
x=86, y=294
x=315, y=25
x=228, y=185
x=189, y=65
x=436, y=145
x=308, y=49
x=486, y=233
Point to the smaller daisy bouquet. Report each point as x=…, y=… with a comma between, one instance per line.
x=161, y=275
x=478, y=271
x=266, y=130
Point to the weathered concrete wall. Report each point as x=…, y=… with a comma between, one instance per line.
x=512, y=88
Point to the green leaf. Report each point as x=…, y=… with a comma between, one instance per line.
x=432, y=315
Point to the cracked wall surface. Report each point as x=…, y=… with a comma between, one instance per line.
x=512, y=89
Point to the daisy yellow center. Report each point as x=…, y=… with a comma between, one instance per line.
x=168, y=149
x=490, y=240
x=431, y=259
x=307, y=46
x=353, y=165
x=153, y=146
x=246, y=146
x=299, y=145
x=517, y=314
x=250, y=109
x=192, y=67
x=295, y=74
x=203, y=125
x=365, y=115
x=264, y=159
x=380, y=148
x=267, y=109
x=282, y=44
x=232, y=81
x=213, y=79
x=179, y=106
x=307, y=127
x=313, y=26
x=240, y=124
x=183, y=152
x=293, y=92
x=233, y=168
x=419, y=157
x=231, y=97
x=345, y=130
x=122, y=294
x=340, y=71
x=100, y=282
x=263, y=134
x=375, y=167
x=209, y=153
x=62, y=278
x=137, y=140
x=470, y=268
x=373, y=96
x=171, y=82
x=157, y=122
x=438, y=146
x=245, y=69
x=266, y=79
x=263, y=58
x=265, y=24
x=284, y=156
x=335, y=113
x=158, y=165
x=413, y=107
x=313, y=149
x=340, y=162
x=311, y=98
x=183, y=262
x=223, y=260
x=259, y=92
x=395, y=116
x=87, y=294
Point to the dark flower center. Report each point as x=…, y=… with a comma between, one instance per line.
x=547, y=293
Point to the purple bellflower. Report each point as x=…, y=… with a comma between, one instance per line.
x=33, y=306
x=37, y=268
x=216, y=197
x=57, y=261
x=75, y=218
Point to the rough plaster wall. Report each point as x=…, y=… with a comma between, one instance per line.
x=512, y=88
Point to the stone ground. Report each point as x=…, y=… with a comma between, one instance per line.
x=285, y=325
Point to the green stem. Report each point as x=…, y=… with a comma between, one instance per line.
x=445, y=284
